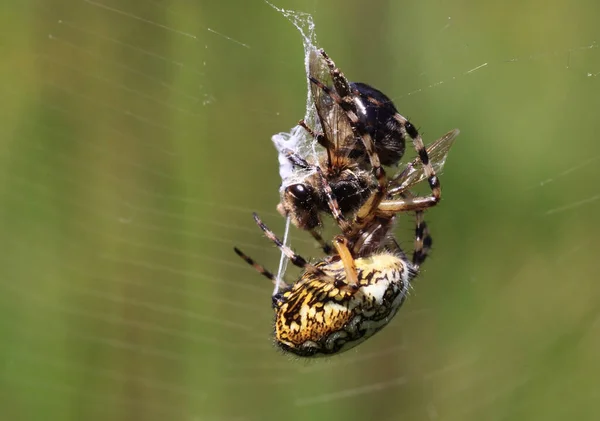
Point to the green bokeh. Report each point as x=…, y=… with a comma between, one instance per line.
x=135, y=145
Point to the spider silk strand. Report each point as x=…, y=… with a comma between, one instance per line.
x=283, y=261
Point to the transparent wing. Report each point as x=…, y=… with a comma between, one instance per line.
x=339, y=138
x=414, y=173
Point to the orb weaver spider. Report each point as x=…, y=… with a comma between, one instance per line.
x=348, y=296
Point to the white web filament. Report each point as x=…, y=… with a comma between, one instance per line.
x=296, y=140
x=283, y=260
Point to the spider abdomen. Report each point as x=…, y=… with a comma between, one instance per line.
x=314, y=317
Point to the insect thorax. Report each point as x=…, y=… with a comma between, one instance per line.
x=351, y=186
x=315, y=317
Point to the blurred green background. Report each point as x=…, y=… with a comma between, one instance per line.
x=135, y=143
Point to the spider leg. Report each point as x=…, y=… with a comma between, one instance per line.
x=339, y=80
x=259, y=268
x=341, y=245
x=324, y=245
x=351, y=282
x=423, y=240
x=296, y=259
x=405, y=205
x=432, y=179
x=341, y=97
x=407, y=128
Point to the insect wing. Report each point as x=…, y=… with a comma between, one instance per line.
x=339, y=138
x=414, y=172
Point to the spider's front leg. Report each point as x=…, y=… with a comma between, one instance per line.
x=261, y=269
x=406, y=205
x=341, y=84
x=406, y=128
x=296, y=259
x=432, y=179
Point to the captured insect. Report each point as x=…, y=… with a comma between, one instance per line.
x=346, y=112
x=345, y=298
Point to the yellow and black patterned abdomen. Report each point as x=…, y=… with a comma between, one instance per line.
x=314, y=317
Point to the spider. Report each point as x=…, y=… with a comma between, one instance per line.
x=348, y=113
x=348, y=296
x=344, y=299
